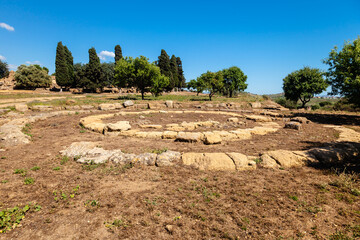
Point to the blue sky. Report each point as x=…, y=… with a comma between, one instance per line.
x=266, y=39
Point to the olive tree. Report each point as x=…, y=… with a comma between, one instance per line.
x=31, y=77
x=303, y=84
x=140, y=73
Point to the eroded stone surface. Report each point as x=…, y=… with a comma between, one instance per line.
x=118, y=126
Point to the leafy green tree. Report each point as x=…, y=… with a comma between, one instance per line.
x=79, y=74
x=164, y=64
x=181, y=78
x=212, y=82
x=108, y=73
x=118, y=53
x=140, y=73
x=61, y=68
x=344, y=71
x=4, y=70
x=303, y=84
x=234, y=81
x=31, y=77
x=196, y=85
x=174, y=79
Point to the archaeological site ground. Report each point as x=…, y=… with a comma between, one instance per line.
x=112, y=166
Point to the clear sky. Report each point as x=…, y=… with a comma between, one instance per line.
x=266, y=39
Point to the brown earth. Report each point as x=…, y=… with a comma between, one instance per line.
x=178, y=202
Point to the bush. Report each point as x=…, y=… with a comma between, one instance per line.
x=286, y=103
x=31, y=77
x=325, y=103
x=314, y=107
x=344, y=105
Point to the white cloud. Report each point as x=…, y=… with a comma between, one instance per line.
x=104, y=54
x=7, y=27
x=12, y=66
x=2, y=58
x=34, y=62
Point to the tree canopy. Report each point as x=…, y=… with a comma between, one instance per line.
x=140, y=73
x=344, y=71
x=303, y=84
x=234, y=81
x=31, y=77
x=4, y=70
x=212, y=82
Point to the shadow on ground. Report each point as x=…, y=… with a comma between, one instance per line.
x=342, y=156
x=335, y=119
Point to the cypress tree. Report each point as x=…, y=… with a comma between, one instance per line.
x=70, y=66
x=118, y=53
x=181, y=82
x=61, y=69
x=93, y=72
x=174, y=73
x=164, y=65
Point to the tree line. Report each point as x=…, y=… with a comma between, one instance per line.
x=125, y=72
x=166, y=74
x=227, y=82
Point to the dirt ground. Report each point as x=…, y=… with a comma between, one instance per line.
x=138, y=202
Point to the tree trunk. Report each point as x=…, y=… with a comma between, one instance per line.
x=142, y=94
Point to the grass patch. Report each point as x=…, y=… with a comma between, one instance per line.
x=11, y=218
x=29, y=181
x=26, y=130
x=35, y=168
x=159, y=151
x=20, y=171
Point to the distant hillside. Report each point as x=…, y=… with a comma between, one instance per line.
x=275, y=96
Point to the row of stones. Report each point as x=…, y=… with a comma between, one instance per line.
x=86, y=152
x=122, y=128
x=22, y=107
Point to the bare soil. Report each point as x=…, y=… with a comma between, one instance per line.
x=174, y=118
x=139, y=202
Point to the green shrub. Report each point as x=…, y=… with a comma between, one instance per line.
x=286, y=103
x=325, y=103
x=31, y=77
x=314, y=107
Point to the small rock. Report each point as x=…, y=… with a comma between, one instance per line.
x=128, y=103
x=21, y=107
x=189, y=136
x=300, y=119
x=118, y=105
x=235, y=120
x=293, y=125
x=119, y=126
x=222, y=105
x=255, y=105
x=169, y=104
x=168, y=158
x=211, y=138
x=106, y=106
x=169, y=228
